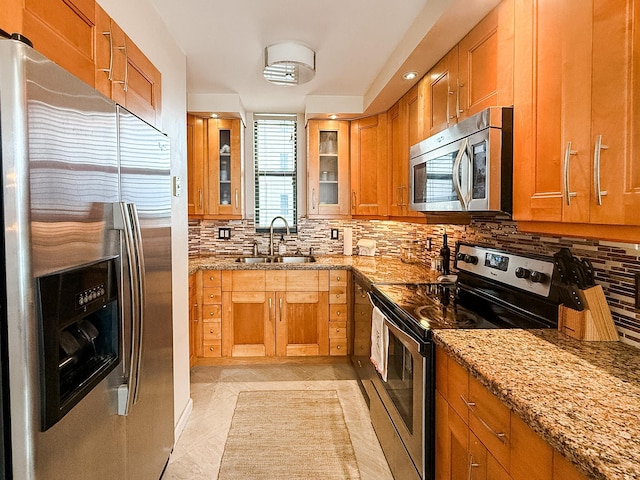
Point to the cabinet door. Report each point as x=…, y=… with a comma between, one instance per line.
x=196, y=148
x=616, y=112
x=328, y=169
x=223, y=197
x=302, y=323
x=369, y=182
x=441, y=99
x=63, y=30
x=11, y=20
x=477, y=85
x=531, y=456
x=248, y=324
x=143, y=81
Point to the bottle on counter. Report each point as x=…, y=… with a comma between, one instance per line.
x=445, y=256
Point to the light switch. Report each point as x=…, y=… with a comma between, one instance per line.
x=177, y=186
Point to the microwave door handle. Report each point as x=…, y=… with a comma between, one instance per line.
x=456, y=169
x=469, y=177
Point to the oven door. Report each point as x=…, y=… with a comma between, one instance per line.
x=403, y=399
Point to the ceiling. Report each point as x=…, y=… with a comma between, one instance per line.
x=362, y=49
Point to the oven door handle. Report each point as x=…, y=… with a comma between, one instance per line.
x=456, y=179
x=395, y=328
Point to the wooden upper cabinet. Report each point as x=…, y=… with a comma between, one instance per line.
x=123, y=73
x=223, y=169
x=63, y=31
x=142, y=87
x=11, y=19
x=328, y=169
x=405, y=128
x=576, y=109
x=369, y=182
x=441, y=100
x=196, y=147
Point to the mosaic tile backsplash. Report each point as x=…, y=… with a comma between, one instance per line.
x=615, y=263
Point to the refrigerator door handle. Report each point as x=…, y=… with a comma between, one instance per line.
x=122, y=221
x=141, y=287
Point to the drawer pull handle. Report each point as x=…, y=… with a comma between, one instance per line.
x=211, y=349
x=499, y=435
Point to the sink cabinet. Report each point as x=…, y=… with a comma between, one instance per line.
x=275, y=313
x=478, y=437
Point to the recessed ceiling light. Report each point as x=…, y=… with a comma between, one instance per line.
x=214, y=115
x=333, y=116
x=409, y=75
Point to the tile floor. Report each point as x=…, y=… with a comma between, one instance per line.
x=214, y=390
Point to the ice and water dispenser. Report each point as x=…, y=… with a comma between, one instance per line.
x=79, y=334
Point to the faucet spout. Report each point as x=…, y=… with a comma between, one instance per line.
x=286, y=224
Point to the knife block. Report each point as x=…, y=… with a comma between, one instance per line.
x=594, y=323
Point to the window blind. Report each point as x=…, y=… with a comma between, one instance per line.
x=275, y=166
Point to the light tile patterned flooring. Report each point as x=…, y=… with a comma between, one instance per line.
x=214, y=390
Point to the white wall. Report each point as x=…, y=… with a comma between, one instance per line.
x=143, y=25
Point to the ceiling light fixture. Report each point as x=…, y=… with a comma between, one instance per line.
x=289, y=63
x=333, y=116
x=410, y=75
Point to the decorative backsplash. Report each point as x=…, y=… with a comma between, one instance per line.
x=615, y=263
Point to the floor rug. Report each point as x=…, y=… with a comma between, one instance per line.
x=290, y=435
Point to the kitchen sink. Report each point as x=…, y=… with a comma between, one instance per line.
x=253, y=259
x=278, y=259
x=295, y=259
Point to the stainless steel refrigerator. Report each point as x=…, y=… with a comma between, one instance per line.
x=86, y=352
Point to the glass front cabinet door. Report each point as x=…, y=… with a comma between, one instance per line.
x=328, y=169
x=225, y=168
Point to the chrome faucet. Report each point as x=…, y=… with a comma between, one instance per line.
x=271, y=232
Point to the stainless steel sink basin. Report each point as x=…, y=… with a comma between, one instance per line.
x=295, y=259
x=253, y=259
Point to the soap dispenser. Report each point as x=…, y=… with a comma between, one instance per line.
x=282, y=248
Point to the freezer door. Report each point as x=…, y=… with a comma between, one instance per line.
x=146, y=183
x=59, y=179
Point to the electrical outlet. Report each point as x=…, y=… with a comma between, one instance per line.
x=334, y=234
x=637, y=290
x=224, y=233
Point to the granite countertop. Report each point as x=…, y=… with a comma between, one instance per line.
x=581, y=397
x=375, y=269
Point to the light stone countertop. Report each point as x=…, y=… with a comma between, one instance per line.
x=581, y=397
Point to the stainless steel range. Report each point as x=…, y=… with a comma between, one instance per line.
x=493, y=289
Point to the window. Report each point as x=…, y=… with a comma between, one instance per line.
x=275, y=166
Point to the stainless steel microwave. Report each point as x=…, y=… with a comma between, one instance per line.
x=466, y=168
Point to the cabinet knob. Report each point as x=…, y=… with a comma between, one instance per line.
x=337, y=330
x=211, y=296
x=211, y=278
x=338, y=278
x=338, y=347
x=211, y=349
x=338, y=314
x=211, y=330
x=211, y=314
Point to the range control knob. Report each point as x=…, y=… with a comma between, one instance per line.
x=523, y=272
x=465, y=257
x=471, y=259
x=538, y=277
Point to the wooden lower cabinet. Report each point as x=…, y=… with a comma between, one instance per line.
x=478, y=437
x=194, y=318
x=284, y=313
x=339, y=323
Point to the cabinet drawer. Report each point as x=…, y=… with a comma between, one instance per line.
x=211, y=295
x=211, y=351
x=337, y=346
x=490, y=420
x=338, y=312
x=211, y=333
x=337, y=277
x=360, y=296
x=211, y=278
x=211, y=312
x=337, y=330
x=337, y=294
